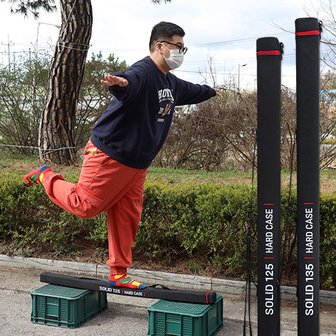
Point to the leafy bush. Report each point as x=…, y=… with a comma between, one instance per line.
x=207, y=224
x=328, y=240
x=29, y=218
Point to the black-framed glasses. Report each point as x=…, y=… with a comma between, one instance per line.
x=181, y=49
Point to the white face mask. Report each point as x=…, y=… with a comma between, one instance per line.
x=175, y=59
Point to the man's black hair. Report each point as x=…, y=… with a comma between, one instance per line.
x=164, y=31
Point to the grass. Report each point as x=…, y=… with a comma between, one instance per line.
x=23, y=164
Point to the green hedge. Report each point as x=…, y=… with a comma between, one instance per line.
x=207, y=224
x=205, y=220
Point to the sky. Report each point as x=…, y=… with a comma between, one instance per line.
x=218, y=32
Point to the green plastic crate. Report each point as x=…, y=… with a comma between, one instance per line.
x=167, y=318
x=64, y=306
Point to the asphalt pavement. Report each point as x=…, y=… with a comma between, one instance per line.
x=126, y=315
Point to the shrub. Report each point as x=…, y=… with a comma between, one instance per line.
x=207, y=224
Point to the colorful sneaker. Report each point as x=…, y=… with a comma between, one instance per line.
x=124, y=280
x=35, y=176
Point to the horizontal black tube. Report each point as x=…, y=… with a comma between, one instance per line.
x=100, y=285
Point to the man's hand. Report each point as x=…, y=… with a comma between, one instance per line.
x=218, y=92
x=110, y=80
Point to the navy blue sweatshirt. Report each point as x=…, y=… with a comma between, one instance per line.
x=135, y=125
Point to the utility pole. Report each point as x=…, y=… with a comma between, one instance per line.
x=9, y=44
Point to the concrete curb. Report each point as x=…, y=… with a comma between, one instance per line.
x=168, y=279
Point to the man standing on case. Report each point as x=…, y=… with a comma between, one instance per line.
x=124, y=142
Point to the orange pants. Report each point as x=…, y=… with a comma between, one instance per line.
x=104, y=185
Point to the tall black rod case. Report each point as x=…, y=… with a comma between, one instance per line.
x=269, y=55
x=308, y=32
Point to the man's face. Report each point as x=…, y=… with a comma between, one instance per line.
x=163, y=53
x=176, y=42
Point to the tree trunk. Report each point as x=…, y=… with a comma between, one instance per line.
x=56, y=140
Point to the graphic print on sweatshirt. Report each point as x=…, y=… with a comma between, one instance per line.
x=166, y=103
